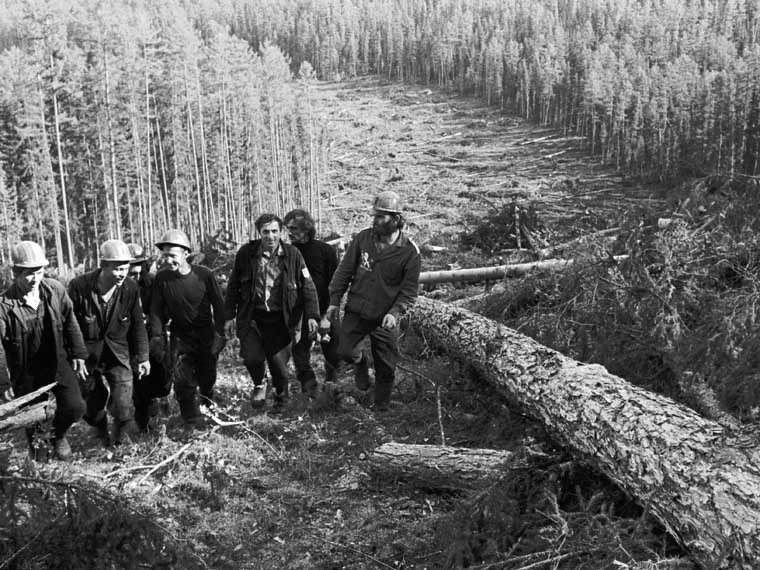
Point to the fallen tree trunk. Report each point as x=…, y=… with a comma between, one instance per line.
x=698, y=481
x=440, y=466
x=497, y=272
x=14, y=415
x=36, y=413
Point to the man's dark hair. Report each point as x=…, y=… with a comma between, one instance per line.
x=303, y=220
x=265, y=219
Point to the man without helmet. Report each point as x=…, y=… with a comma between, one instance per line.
x=156, y=384
x=109, y=312
x=41, y=343
x=270, y=291
x=188, y=300
x=382, y=268
x=321, y=260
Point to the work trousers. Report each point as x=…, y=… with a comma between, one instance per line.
x=111, y=390
x=69, y=404
x=267, y=341
x=157, y=384
x=194, y=364
x=383, y=345
x=302, y=357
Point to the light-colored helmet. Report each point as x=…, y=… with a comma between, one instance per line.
x=387, y=202
x=174, y=237
x=115, y=250
x=137, y=251
x=28, y=254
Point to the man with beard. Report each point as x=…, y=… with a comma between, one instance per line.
x=321, y=260
x=109, y=312
x=382, y=268
x=39, y=333
x=270, y=293
x=188, y=300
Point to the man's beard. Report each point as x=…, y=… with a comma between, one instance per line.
x=385, y=229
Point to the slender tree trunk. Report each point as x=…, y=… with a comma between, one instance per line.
x=699, y=480
x=50, y=185
x=62, y=179
x=111, y=146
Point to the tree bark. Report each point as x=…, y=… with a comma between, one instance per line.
x=701, y=482
x=28, y=416
x=497, y=272
x=440, y=466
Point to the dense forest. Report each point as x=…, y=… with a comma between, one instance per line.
x=657, y=87
x=119, y=119
x=123, y=119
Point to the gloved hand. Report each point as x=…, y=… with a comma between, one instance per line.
x=332, y=313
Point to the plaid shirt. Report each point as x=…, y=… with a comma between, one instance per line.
x=269, y=279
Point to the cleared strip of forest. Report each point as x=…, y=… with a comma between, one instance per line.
x=449, y=156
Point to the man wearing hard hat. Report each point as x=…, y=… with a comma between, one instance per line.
x=189, y=298
x=41, y=343
x=382, y=268
x=109, y=312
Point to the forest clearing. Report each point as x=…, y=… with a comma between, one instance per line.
x=297, y=491
x=585, y=398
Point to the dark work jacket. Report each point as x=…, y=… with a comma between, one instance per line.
x=299, y=296
x=380, y=282
x=321, y=259
x=68, y=338
x=124, y=333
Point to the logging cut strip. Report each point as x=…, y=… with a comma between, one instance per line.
x=439, y=466
x=700, y=483
x=497, y=272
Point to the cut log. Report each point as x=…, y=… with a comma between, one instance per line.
x=497, y=272
x=695, y=477
x=440, y=466
x=36, y=413
x=16, y=403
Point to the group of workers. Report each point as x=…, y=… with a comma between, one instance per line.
x=122, y=336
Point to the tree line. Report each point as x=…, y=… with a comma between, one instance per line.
x=118, y=120
x=658, y=88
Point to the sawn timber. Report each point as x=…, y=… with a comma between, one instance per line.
x=688, y=471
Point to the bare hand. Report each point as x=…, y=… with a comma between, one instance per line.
x=7, y=395
x=389, y=321
x=313, y=327
x=80, y=368
x=143, y=369
x=229, y=328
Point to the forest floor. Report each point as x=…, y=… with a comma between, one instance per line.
x=294, y=490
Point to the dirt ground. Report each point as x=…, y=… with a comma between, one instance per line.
x=257, y=490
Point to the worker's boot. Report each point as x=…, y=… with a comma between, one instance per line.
x=361, y=373
x=61, y=448
x=190, y=412
x=383, y=391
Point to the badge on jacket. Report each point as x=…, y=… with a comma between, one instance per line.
x=305, y=273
